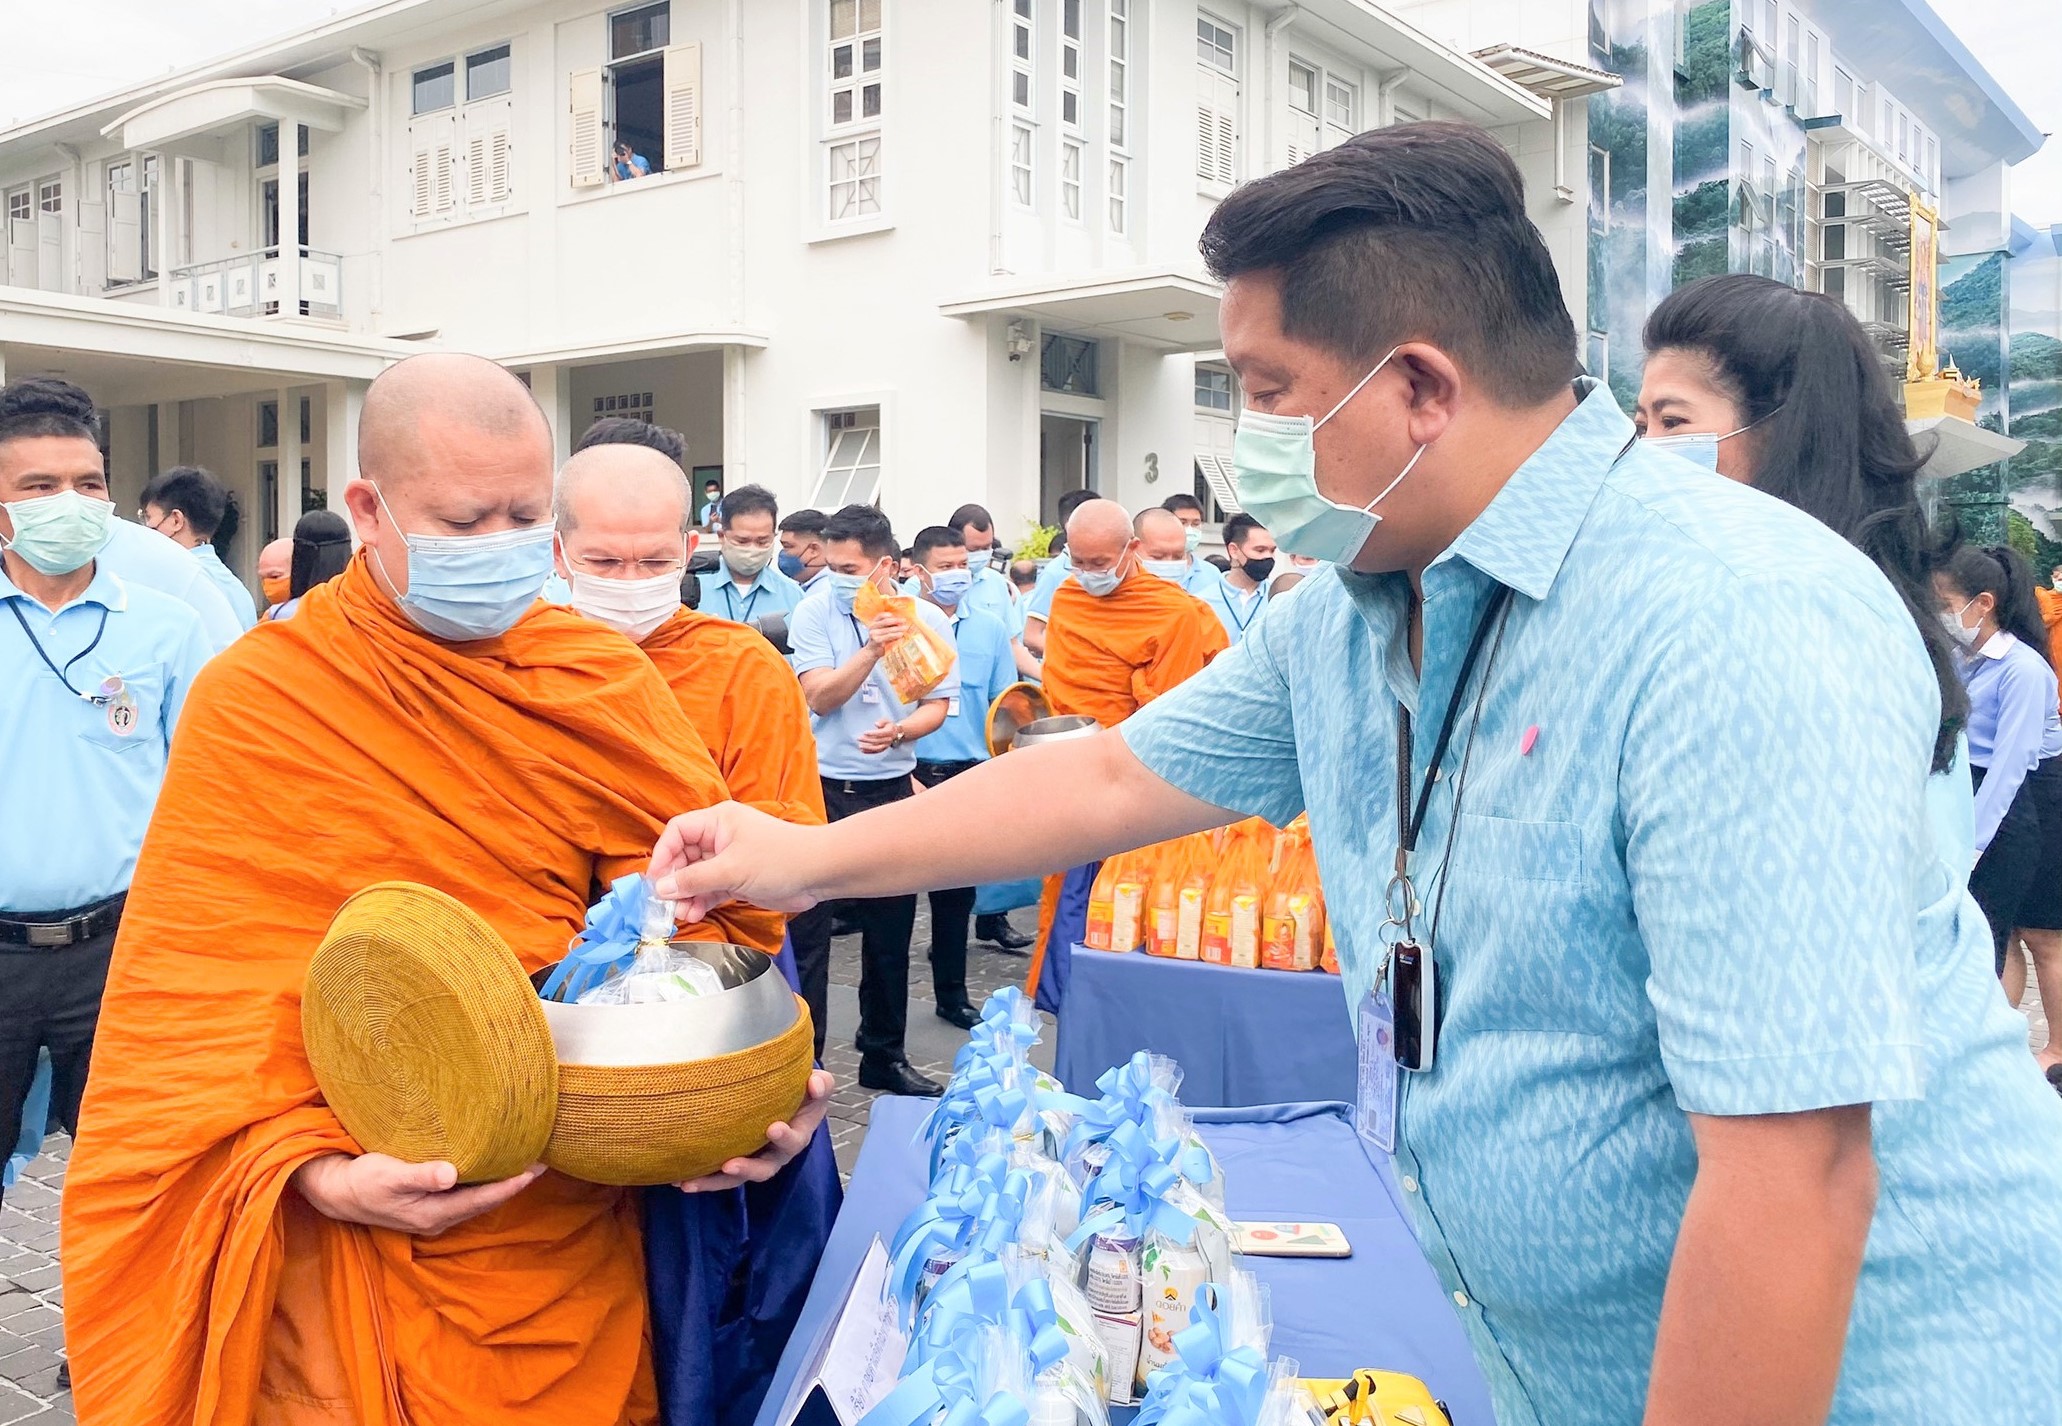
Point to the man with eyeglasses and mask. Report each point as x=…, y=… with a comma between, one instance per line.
x=1199, y=577
x=746, y=586
x=423, y=717
x=1679, y=1026
x=93, y=675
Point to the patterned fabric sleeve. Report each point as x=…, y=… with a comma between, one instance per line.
x=1771, y=843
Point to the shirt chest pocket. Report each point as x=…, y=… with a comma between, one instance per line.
x=129, y=722
x=1510, y=849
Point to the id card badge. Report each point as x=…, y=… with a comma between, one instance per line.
x=1374, y=1113
x=952, y=708
x=869, y=694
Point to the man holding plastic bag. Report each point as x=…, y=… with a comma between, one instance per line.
x=879, y=672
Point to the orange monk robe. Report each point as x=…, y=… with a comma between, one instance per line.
x=2051, y=615
x=316, y=756
x=1108, y=657
x=744, y=700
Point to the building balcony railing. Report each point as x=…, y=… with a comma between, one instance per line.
x=248, y=285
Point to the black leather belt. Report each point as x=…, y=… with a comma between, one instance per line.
x=54, y=930
x=951, y=769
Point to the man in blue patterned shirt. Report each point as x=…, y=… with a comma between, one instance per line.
x=1728, y=1119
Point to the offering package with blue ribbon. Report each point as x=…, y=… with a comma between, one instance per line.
x=1220, y=1374
x=1062, y=1271
x=624, y=955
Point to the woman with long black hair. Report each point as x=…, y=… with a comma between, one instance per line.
x=1782, y=390
x=322, y=551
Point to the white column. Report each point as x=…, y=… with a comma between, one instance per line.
x=289, y=453
x=161, y=236
x=553, y=388
x=343, y=402
x=734, y=426
x=168, y=452
x=289, y=225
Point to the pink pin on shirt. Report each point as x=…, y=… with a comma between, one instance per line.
x=1525, y=743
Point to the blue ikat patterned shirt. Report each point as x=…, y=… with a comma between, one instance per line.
x=1700, y=869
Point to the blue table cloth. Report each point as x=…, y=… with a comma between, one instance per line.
x=1293, y=1162
x=1241, y=1036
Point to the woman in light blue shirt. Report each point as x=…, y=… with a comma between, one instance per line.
x=2015, y=741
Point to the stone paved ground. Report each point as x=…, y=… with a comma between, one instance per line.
x=32, y=1294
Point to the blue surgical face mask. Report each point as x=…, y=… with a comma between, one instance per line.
x=845, y=587
x=978, y=560
x=57, y=534
x=1174, y=571
x=1274, y=466
x=1102, y=583
x=949, y=586
x=467, y=587
x=1192, y=537
x=1700, y=447
x=790, y=565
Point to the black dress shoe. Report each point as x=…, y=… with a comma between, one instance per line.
x=64, y=1376
x=997, y=931
x=898, y=1077
x=964, y=1015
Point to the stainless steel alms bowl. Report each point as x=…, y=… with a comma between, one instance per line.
x=1053, y=730
x=754, y=1006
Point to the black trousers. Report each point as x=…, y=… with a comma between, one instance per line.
x=2004, y=873
x=885, y=924
x=49, y=999
x=952, y=912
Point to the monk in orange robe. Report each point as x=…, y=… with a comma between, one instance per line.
x=231, y=1256
x=625, y=524
x=2050, y=601
x=1118, y=638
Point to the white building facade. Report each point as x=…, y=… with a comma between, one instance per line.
x=916, y=252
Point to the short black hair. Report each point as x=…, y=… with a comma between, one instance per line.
x=1177, y=503
x=866, y=525
x=709, y=480
x=804, y=522
x=322, y=550
x=1412, y=232
x=971, y=514
x=1073, y=500
x=750, y=500
x=936, y=537
x=46, y=406
x=630, y=431
x=194, y=493
x=1239, y=526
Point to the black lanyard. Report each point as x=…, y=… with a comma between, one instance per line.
x=1224, y=597
x=1410, y=819
x=730, y=602
x=14, y=607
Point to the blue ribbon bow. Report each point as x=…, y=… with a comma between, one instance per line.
x=1134, y=1184
x=608, y=941
x=1208, y=1383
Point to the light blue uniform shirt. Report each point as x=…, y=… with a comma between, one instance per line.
x=2013, y=723
x=138, y=555
x=240, y=602
x=1235, y=610
x=1051, y=575
x=986, y=668
x=1202, y=579
x=1709, y=882
x=771, y=593
x=824, y=634
x=78, y=793
x=991, y=595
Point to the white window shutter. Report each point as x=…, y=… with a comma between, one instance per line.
x=444, y=174
x=590, y=150
x=500, y=165
x=92, y=247
x=1217, y=126
x=50, y=260
x=1303, y=136
x=21, y=252
x=475, y=168
x=1217, y=475
x=1206, y=129
x=125, y=237
x=683, y=106
x=1227, y=130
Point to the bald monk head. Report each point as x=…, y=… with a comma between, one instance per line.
x=625, y=533
x=453, y=445
x=1100, y=542
x=1161, y=536
x=276, y=569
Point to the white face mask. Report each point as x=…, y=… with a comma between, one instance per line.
x=634, y=606
x=1174, y=571
x=1961, y=633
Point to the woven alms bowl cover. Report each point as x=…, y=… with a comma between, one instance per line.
x=426, y=1037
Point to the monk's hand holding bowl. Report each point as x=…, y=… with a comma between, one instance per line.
x=784, y=1143
x=380, y=1191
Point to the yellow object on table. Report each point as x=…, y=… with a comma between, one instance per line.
x=1376, y=1398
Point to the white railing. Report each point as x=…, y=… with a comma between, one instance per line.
x=248, y=285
